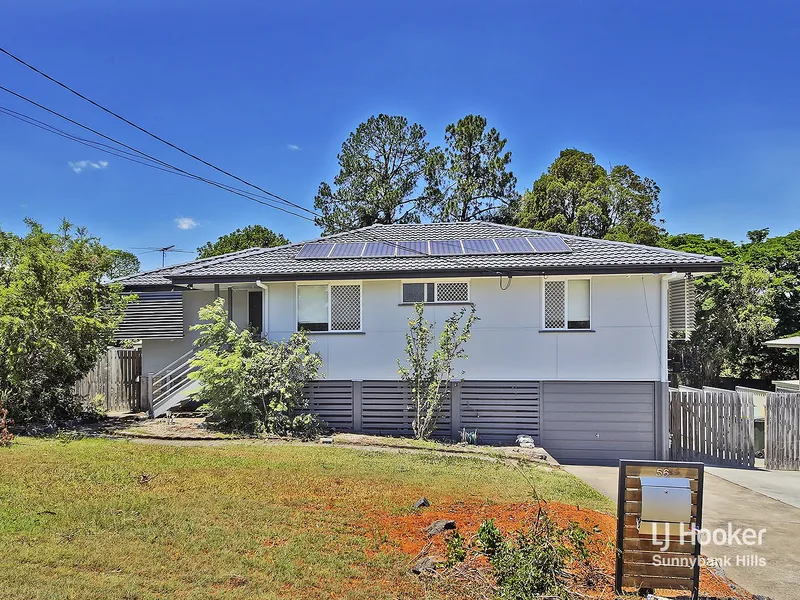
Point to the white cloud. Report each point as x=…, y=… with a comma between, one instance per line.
x=185, y=223
x=293, y=147
x=80, y=166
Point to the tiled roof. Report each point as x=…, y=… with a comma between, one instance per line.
x=587, y=254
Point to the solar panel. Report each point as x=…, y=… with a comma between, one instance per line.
x=479, y=247
x=514, y=245
x=446, y=247
x=342, y=250
x=315, y=251
x=549, y=245
x=414, y=248
x=379, y=249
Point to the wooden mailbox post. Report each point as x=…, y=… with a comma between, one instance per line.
x=658, y=552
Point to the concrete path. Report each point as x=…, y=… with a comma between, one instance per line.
x=771, y=569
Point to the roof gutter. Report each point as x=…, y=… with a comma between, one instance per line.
x=697, y=269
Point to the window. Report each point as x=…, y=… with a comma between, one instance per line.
x=444, y=291
x=329, y=307
x=255, y=311
x=567, y=304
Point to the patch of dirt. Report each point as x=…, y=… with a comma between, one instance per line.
x=406, y=533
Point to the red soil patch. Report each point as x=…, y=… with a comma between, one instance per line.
x=406, y=533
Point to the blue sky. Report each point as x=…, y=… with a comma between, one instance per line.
x=702, y=97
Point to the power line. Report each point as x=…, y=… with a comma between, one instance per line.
x=175, y=147
x=155, y=164
x=162, y=140
x=153, y=135
x=140, y=154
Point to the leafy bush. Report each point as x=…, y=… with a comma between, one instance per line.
x=456, y=549
x=253, y=384
x=531, y=565
x=6, y=437
x=429, y=375
x=534, y=563
x=490, y=538
x=57, y=316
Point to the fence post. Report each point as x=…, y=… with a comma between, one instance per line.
x=150, y=394
x=358, y=386
x=455, y=410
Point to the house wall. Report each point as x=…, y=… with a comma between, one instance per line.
x=156, y=354
x=586, y=396
x=507, y=342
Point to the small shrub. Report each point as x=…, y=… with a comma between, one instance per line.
x=534, y=563
x=456, y=549
x=6, y=437
x=490, y=538
x=252, y=384
x=578, y=537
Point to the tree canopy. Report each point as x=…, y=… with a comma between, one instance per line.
x=754, y=299
x=470, y=177
x=577, y=196
x=382, y=171
x=123, y=264
x=252, y=236
x=57, y=316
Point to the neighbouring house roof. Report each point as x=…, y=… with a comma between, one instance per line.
x=585, y=256
x=787, y=342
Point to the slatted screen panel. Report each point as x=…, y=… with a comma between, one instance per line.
x=332, y=401
x=501, y=410
x=154, y=315
x=387, y=410
x=681, y=299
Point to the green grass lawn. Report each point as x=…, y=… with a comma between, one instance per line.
x=232, y=521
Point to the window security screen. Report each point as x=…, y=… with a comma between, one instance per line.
x=329, y=307
x=444, y=291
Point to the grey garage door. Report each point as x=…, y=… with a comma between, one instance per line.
x=598, y=422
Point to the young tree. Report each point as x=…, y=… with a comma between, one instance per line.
x=470, y=177
x=252, y=384
x=383, y=166
x=252, y=236
x=429, y=373
x=579, y=197
x=57, y=316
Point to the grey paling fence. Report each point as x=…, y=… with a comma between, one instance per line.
x=116, y=378
x=712, y=426
x=782, y=451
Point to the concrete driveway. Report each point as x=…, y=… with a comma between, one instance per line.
x=756, y=505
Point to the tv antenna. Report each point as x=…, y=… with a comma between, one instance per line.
x=163, y=251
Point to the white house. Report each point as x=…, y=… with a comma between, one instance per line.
x=571, y=345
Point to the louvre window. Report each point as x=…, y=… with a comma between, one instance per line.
x=567, y=304
x=443, y=291
x=153, y=316
x=681, y=298
x=327, y=307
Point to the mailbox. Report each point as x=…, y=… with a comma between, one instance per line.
x=665, y=500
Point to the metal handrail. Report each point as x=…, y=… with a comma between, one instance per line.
x=177, y=371
x=163, y=398
x=180, y=359
x=171, y=381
